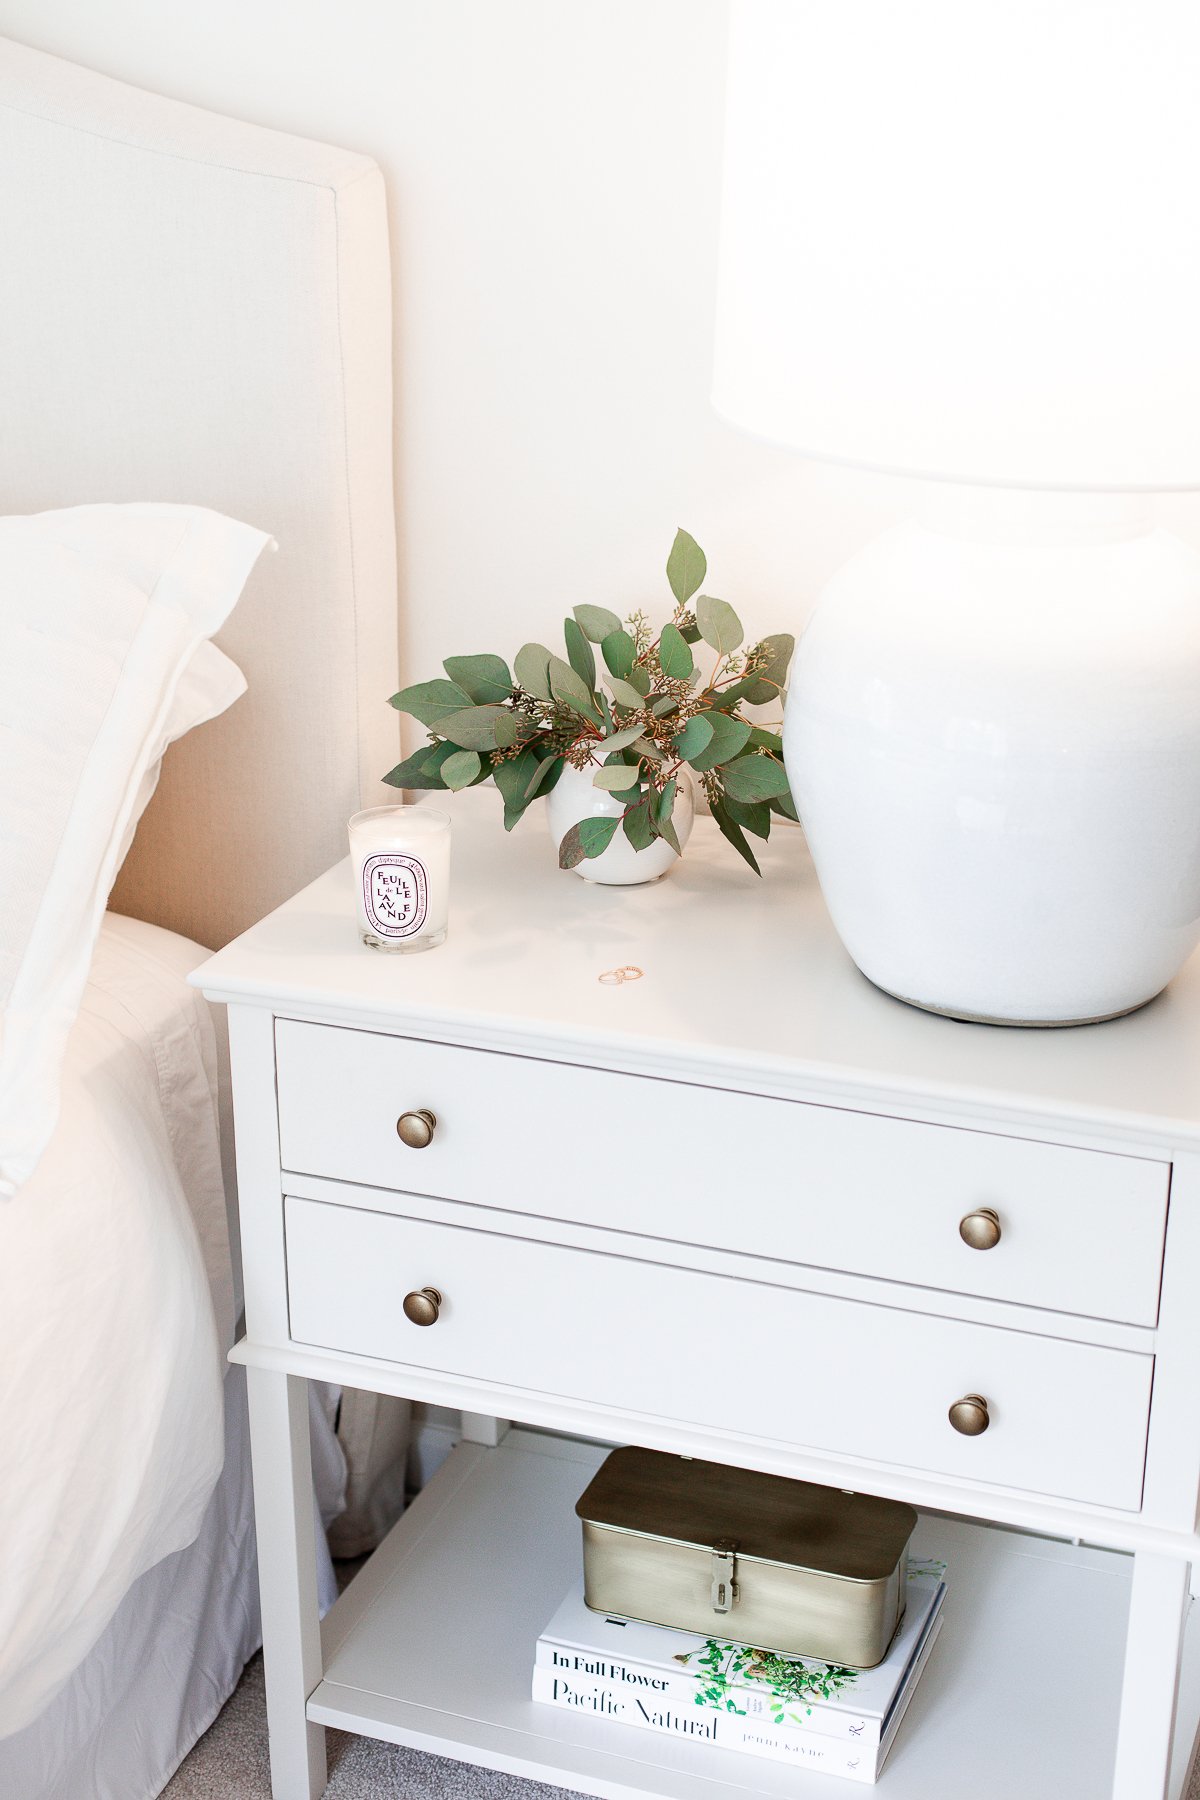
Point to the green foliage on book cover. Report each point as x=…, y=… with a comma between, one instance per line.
x=721, y=1668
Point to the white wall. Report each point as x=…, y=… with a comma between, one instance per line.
x=553, y=174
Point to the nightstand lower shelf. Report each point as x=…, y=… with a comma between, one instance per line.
x=432, y=1645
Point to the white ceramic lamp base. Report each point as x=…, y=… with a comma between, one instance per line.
x=995, y=750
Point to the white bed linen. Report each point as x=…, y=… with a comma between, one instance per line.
x=165, y=1665
x=166, y=1662
x=111, y=1345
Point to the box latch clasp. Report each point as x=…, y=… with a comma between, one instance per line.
x=724, y=1575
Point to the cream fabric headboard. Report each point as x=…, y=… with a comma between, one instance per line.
x=193, y=309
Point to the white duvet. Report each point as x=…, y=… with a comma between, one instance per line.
x=111, y=1342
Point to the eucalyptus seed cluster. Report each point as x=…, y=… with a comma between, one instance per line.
x=579, y=752
x=526, y=703
x=639, y=628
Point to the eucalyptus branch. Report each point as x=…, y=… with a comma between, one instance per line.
x=521, y=727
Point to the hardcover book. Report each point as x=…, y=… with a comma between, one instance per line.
x=760, y=1714
x=695, y=1673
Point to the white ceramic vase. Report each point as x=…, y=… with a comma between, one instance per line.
x=573, y=797
x=995, y=751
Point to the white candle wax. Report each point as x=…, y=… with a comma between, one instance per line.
x=401, y=860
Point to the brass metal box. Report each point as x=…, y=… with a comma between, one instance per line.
x=755, y=1559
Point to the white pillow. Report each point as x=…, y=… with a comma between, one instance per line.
x=102, y=612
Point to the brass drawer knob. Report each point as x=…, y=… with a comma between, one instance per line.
x=423, y=1306
x=416, y=1129
x=970, y=1415
x=981, y=1228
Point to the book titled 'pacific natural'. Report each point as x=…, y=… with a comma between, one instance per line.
x=812, y=1714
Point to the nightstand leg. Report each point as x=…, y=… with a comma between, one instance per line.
x=287, y=1572
x=482, y=1428
x=1153, y=1643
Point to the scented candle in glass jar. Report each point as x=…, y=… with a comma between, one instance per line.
x=401, y=862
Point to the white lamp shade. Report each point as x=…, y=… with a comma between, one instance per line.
x=961, y=238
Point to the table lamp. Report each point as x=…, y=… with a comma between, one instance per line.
x=961, y=242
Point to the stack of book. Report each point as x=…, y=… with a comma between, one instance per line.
x=811, y=1714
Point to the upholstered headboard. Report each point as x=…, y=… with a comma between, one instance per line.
x=193, y=309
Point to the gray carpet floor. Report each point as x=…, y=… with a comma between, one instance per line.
x=230, y=1763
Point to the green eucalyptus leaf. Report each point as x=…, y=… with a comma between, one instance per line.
x=690, y=634
x=719, y=624
x=597, y=835
x=613, y=779
x=646, y=747
x=663, y=805
x=639, y=678
x=754, y=777
x=728, y=696
x=545, y=775
x=695, y=737
x=479, y=728
x=729, y=736
x=619, y=652
x=513, y=777
x=637, y=825
x=761, y=739
x=569, y=688
x=579, y=654
x=596, y=622
x=431, y=700
x=629, y=761
x=484, y=678
x=422, y=769
x=768, y=682
x=785, y=806
x=531, y=665
x=761, y=687
x=570, y=850
x=460, y=770
x=588, y=839
x=620, y=739
x=686, y=566
x=752, y=816
x=624, y=694
x=733, y=833
x=666, y=704
x=674, y=657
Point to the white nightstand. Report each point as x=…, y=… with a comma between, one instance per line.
x=717, y=1211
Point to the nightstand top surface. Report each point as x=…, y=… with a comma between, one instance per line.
x=745, y=984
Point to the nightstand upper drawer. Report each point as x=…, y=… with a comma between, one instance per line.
x=828, y=1187
x=744, y=1356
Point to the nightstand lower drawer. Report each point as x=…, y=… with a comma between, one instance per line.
x=836, y=1375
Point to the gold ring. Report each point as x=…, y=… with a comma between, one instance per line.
x=612, y=977
x=630, y=972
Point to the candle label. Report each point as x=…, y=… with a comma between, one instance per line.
x=395, y=894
